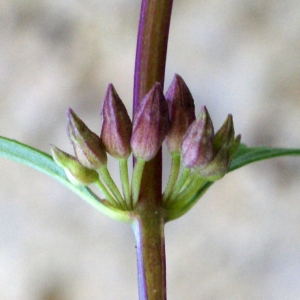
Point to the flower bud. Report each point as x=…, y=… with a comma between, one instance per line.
x=88, y=147
x=76, y=173
x=197, y=143
x=235, y=146
x=217, y=168
x=224, y=147
x=181, y=111
x=150, y=124
x=225, y=135
x=116, y=125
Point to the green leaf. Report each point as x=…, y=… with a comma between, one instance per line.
x=244, y=156
x=43, y=162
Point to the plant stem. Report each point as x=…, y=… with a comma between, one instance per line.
x=173, y=175
x=188, y=192
x=111, y=185
x=150, y=250
x=125, y=180
x=150, y=68
x=106, y=194
x=182, y=180
x=136, y=181
x=151, y=48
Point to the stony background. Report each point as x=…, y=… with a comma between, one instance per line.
x=242, y=240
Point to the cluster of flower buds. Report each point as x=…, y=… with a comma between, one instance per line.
x=159, y=117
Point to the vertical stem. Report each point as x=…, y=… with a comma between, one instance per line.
x=150, y=251
x=150, y=68
x=151, y=53
x=151, y=49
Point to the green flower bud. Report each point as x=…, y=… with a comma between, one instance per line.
x=225, y=135
x=235, y=146
x=88, y=147
x=116, y=125
x=150, y=124
x=76, y=173
x=197, y=143
x=181, y=111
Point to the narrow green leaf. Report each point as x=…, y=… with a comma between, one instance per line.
x=43, y=162
x=244, y=156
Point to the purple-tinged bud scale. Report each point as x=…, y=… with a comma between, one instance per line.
x=150, y=124
x=87, y=145
x=197, y=143
x=116, y=125
x=181, y=111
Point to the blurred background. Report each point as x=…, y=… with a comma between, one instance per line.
x=242, y=240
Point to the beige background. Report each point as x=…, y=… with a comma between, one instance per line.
x=242, y=241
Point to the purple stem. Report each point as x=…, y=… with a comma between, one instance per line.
x=151, y=261
x=149, y=221
x=151, y=51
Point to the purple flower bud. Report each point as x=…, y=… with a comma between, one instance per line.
x=76, y=173
x=116, y=125
x=87, y=145
x=197, y=143
x=150, y=124
x=181, y=111
x=224, y=146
